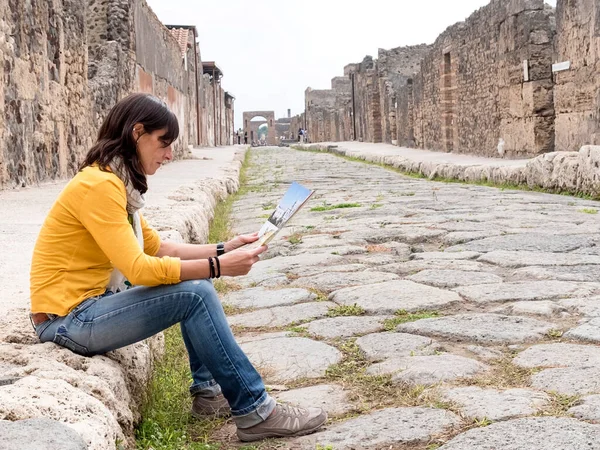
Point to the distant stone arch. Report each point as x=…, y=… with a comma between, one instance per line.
x=269, y=120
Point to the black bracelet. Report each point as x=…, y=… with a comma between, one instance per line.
x=218, y=267
x=220, y=248
x=211, y=266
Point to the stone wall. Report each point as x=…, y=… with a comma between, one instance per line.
x=65, y=66
x=577, y=90
x=320, y=113
x=296, y=123
x=45, y=121
x=159, y=67
x=342, y=86
x=484, y=87
x=366, y=99
x=460, y=106
x=329, y=111
x=395, y=68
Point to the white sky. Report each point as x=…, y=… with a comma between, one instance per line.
x=270, y=51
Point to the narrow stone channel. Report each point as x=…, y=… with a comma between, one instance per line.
x=423, y=314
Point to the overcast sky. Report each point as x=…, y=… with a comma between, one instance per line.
x=270, y=51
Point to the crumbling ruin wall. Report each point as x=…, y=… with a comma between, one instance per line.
x=111, y=49
x=329, y=111
x=342, y=87
x=394, y=68
x=66, y=65
x=296, y=123
x=577, y=90
x=405, y=124
x=367, y=108
x=320, y=114
x=45, y=125
x=474, y=94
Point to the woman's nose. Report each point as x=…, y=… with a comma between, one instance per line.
x=169, y=153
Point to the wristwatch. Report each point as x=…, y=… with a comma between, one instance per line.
x=220, y=248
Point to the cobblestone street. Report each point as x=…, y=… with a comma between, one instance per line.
x=423, y=314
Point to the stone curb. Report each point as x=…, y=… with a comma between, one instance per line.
x=571, y=172
x=100, y=397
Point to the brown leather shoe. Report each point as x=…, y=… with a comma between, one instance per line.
x=203, y=407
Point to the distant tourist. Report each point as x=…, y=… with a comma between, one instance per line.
x=95, y=245
x=239, y=136
x=245, y=137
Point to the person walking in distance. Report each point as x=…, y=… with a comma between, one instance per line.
x=102, y=278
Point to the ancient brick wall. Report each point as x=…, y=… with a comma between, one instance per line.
x=329, y=111
x=394, y=68
x=45, y=125
x=158, y=57
x=342, y=87
x=405, y=128
x=132, y=51
x=65, y=66
x=367, y=101
x=473, y=93
x=296, y=123
x=577, y=90
x=208, y=112
x=320, y=114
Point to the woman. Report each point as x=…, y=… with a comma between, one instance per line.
x=78, y=301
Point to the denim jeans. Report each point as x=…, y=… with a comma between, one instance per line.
x=111, y=321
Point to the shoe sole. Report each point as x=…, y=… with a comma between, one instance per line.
x=211, y=415
x=257, y=437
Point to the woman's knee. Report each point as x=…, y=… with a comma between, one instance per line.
x=204, y=290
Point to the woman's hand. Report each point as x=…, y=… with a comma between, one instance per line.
x=240, y=262
x=240, y=241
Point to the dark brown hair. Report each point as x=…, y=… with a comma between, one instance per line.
x=115, y=137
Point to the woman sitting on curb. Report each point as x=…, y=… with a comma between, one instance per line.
x=95, y=244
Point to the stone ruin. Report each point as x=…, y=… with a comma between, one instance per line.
x=66, y=65
x=516, y=79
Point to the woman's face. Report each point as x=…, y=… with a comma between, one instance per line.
x=152, y=150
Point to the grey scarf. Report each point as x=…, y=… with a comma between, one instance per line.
x=135, y=201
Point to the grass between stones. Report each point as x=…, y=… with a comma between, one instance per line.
x=401, y=316
x=559, y=405
x=488, y=183
x=167, y=423
x=503, y=375
x=326, y=207
x=346, y=310
x=295, y=238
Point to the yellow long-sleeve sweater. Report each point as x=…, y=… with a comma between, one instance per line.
x=85, y=233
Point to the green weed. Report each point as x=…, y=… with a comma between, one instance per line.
x=402, y=316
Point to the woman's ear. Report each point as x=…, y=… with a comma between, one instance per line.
x=138, y=131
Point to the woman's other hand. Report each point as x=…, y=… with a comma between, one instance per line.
x=240, y=241
x=240, y=262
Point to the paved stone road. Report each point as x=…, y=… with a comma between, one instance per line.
x=431, y=316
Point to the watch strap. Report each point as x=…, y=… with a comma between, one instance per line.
x=220, y=249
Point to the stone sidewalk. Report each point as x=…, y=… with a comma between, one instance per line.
x=422, y=314
x=570, y=172
x=97, y=398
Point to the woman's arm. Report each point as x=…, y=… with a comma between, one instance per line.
x=187, y=252
x=232, y=264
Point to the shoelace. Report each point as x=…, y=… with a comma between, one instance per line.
x=291, y=410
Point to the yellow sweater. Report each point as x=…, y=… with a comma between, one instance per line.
x=85, y=233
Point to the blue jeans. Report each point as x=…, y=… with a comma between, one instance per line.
x=111, y=321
